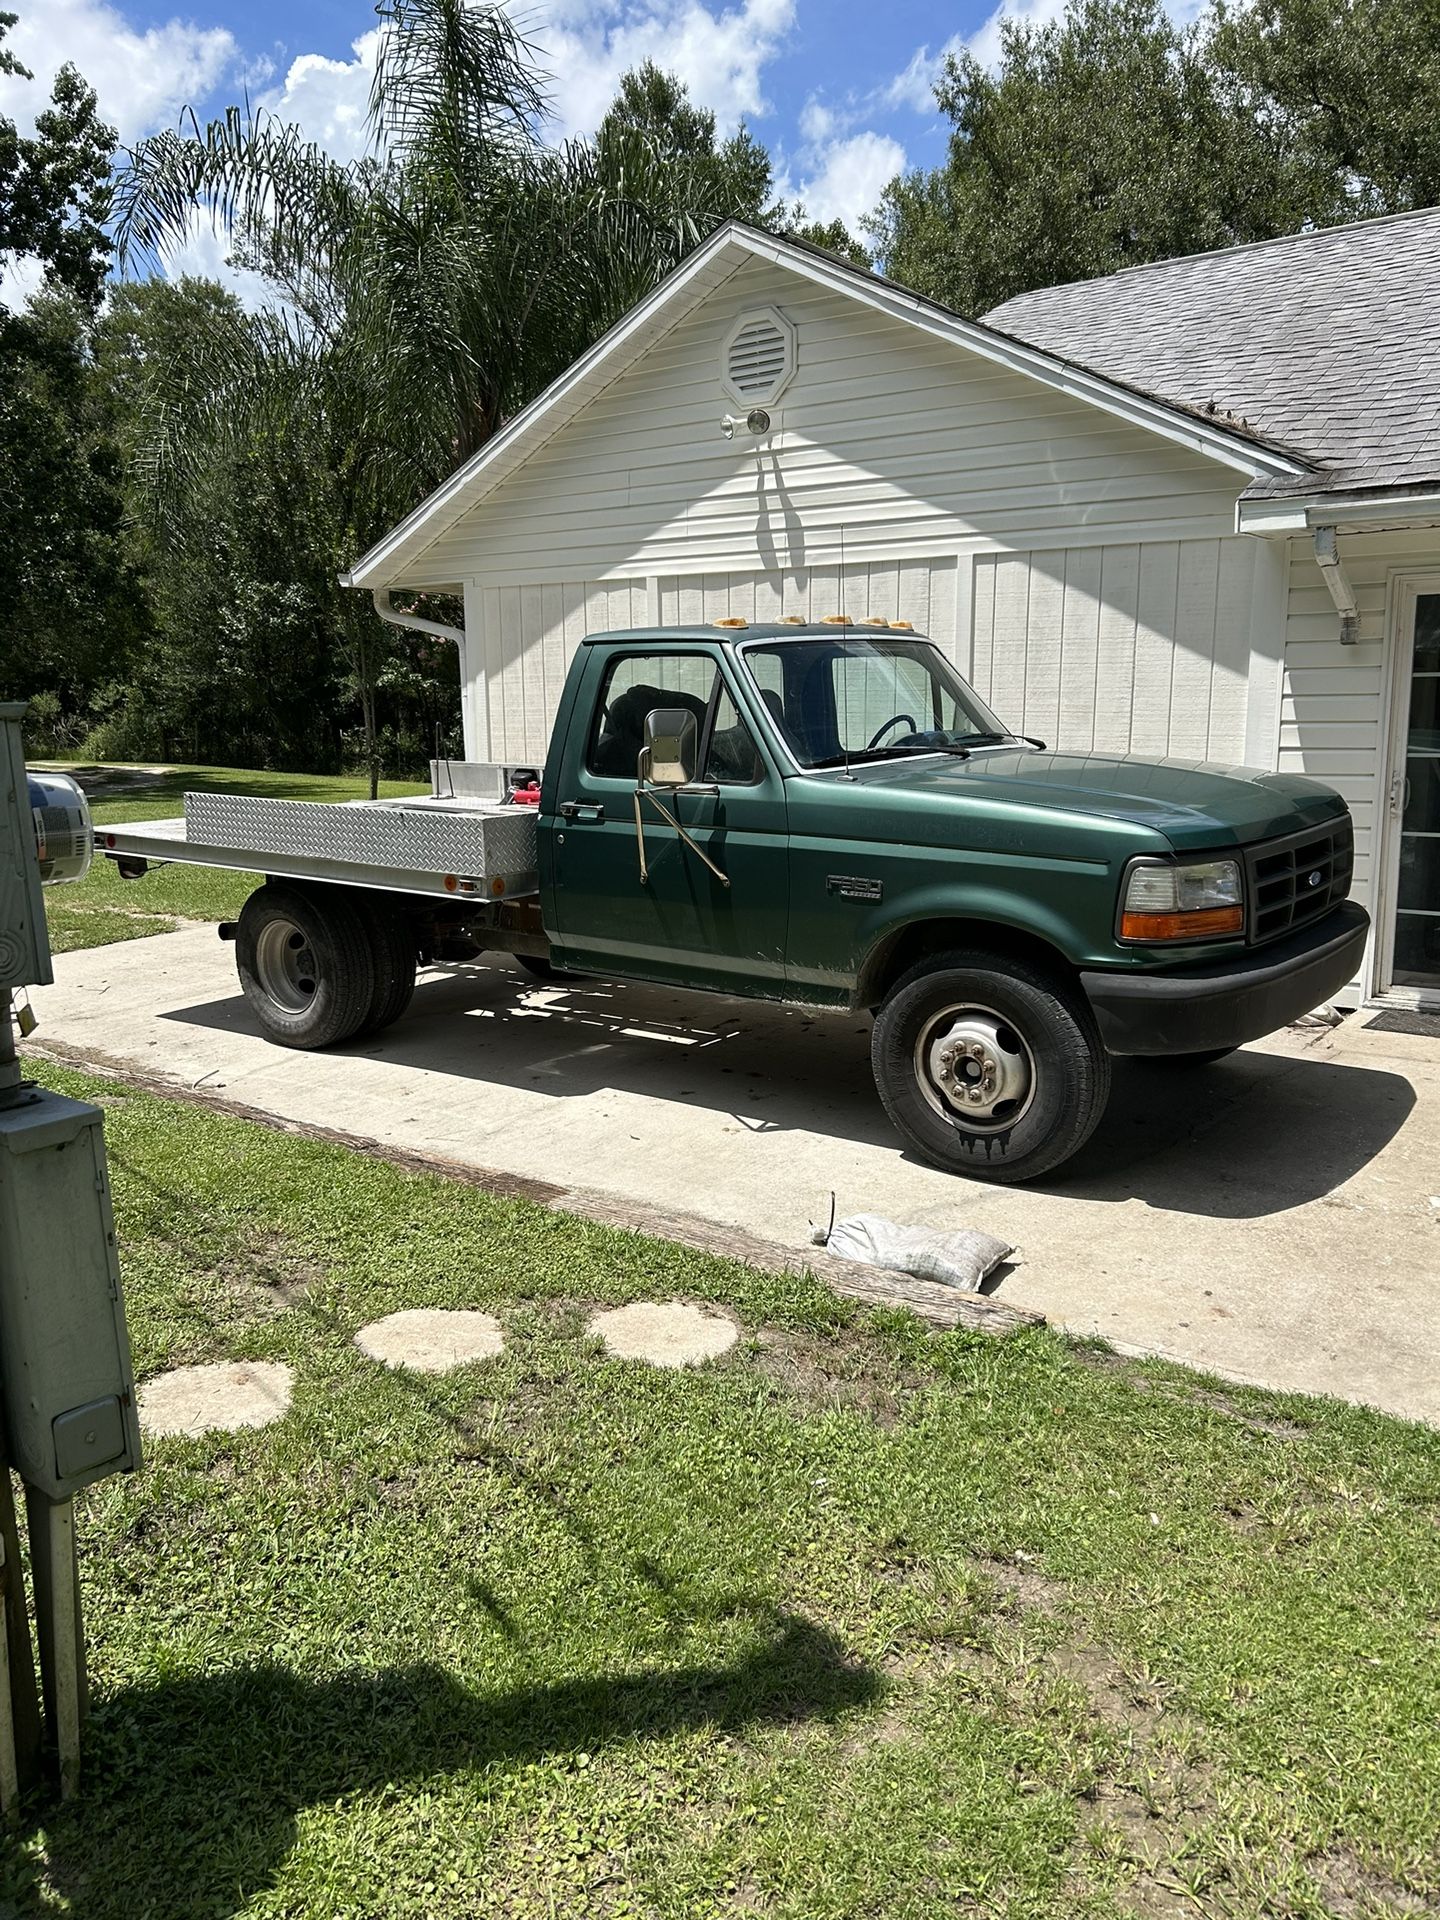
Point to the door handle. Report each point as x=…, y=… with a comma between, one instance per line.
x=584, y=812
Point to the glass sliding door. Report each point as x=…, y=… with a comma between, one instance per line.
x=1417, y=895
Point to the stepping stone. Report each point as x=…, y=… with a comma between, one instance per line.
x=220, y=1398
x=667, y=1333
x=431, y=1340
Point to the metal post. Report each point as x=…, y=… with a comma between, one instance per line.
x=10, y=1078
x=57, y=1627
x=20, y=1728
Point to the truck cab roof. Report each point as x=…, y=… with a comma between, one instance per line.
x=713, y=630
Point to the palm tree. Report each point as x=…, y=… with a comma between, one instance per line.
x=425, y=291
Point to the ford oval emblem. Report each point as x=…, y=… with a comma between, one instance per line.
x=1314, y=879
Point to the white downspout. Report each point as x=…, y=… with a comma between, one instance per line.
x=417, y=624
x=1337, y=582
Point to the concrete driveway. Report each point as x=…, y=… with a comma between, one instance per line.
x=1271, y=1219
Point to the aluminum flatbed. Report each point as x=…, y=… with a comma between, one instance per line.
x=447, y=847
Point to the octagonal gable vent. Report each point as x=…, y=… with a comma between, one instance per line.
x=757, y=361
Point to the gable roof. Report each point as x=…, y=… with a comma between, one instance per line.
x=1327, y=340
x=730, y=247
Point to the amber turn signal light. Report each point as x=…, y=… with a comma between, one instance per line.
x=1196, y=925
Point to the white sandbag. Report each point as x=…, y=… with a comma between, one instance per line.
x=962, y=1258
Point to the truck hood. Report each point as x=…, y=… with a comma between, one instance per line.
x=1193, y=804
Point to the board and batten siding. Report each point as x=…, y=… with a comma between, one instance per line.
x=1130, y=647
x=1331, y=716
x=532, y=632
x=530, y=636
x=887, y=443
x=920, y=591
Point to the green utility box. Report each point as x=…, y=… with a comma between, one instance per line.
x=64, y=1350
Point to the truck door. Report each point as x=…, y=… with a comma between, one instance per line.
x=683, y=925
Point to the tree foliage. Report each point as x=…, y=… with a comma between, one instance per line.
x=1353, y=87
x=426, y=291
x=1110, y=137
x=55, y=183
x=67, y=579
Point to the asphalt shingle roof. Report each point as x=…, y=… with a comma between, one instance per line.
x=1326, y=342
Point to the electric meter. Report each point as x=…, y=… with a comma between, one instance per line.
x=64, y=836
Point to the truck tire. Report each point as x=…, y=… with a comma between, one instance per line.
x=989, y=1066
x=306, y=964
x=395, y=950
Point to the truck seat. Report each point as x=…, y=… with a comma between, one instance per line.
x=622, y=732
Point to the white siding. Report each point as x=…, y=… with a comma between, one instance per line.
x=920, y=591
x=1125, y=648
x=887, y=443
x=1331, y=721
x=528, y=635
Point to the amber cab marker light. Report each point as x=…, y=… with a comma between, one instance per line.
x=1198, y=924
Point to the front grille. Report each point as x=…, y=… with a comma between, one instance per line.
x=1295, y=880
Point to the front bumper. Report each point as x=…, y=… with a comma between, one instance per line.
x=1224, y=1003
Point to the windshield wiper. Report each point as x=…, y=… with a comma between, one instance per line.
x=857, y=756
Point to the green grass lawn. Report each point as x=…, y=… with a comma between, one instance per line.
x=859, y=1621
x=103, y=907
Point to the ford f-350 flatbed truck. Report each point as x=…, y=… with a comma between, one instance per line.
x=827, y=814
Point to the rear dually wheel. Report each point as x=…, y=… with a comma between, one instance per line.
x=307, y=965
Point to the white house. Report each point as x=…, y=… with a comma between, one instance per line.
x=1191, y=509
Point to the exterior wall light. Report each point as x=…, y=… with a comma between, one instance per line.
x=756, y=421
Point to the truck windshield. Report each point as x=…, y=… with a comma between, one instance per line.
x=864, y=698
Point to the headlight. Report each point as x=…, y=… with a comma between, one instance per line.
x=1165, y=902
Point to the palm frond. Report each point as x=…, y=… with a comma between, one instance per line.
x=453, y=79
x=255, y=176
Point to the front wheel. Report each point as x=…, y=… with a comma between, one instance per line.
x=988, y=1066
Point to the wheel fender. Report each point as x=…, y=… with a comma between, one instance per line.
x=996, y=906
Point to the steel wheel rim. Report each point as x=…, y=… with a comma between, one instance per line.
x=285, y=966
x=974, y=1068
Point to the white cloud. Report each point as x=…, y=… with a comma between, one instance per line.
x=842, y=179
x=818, y=122
x=586, y=45
x=204, y=254
x=985, y=44
x=328, y=99
x=142, y=79
x=914, y=86
x=20, y=276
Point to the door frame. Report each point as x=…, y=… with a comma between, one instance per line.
x=1405, y=590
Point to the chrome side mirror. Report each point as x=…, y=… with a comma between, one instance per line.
x=672, y=747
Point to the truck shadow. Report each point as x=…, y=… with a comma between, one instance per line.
x=1256, y=1134
x=1253, y=1135
x=193, y=1785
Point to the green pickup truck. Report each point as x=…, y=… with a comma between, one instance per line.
x=827, y=814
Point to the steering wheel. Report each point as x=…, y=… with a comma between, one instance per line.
x=894, y=721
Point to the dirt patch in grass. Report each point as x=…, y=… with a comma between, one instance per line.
x=1272, y=1426
x=1103, y=1359
x=843, y=1370
x=1151, y=1897
x=1114, y=1695
x=1354, y=1891
x=1022, y=1583
x=267, y=1277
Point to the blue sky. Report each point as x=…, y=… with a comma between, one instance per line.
x=839, y=90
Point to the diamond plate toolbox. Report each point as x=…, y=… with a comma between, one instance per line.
x=488, y=844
